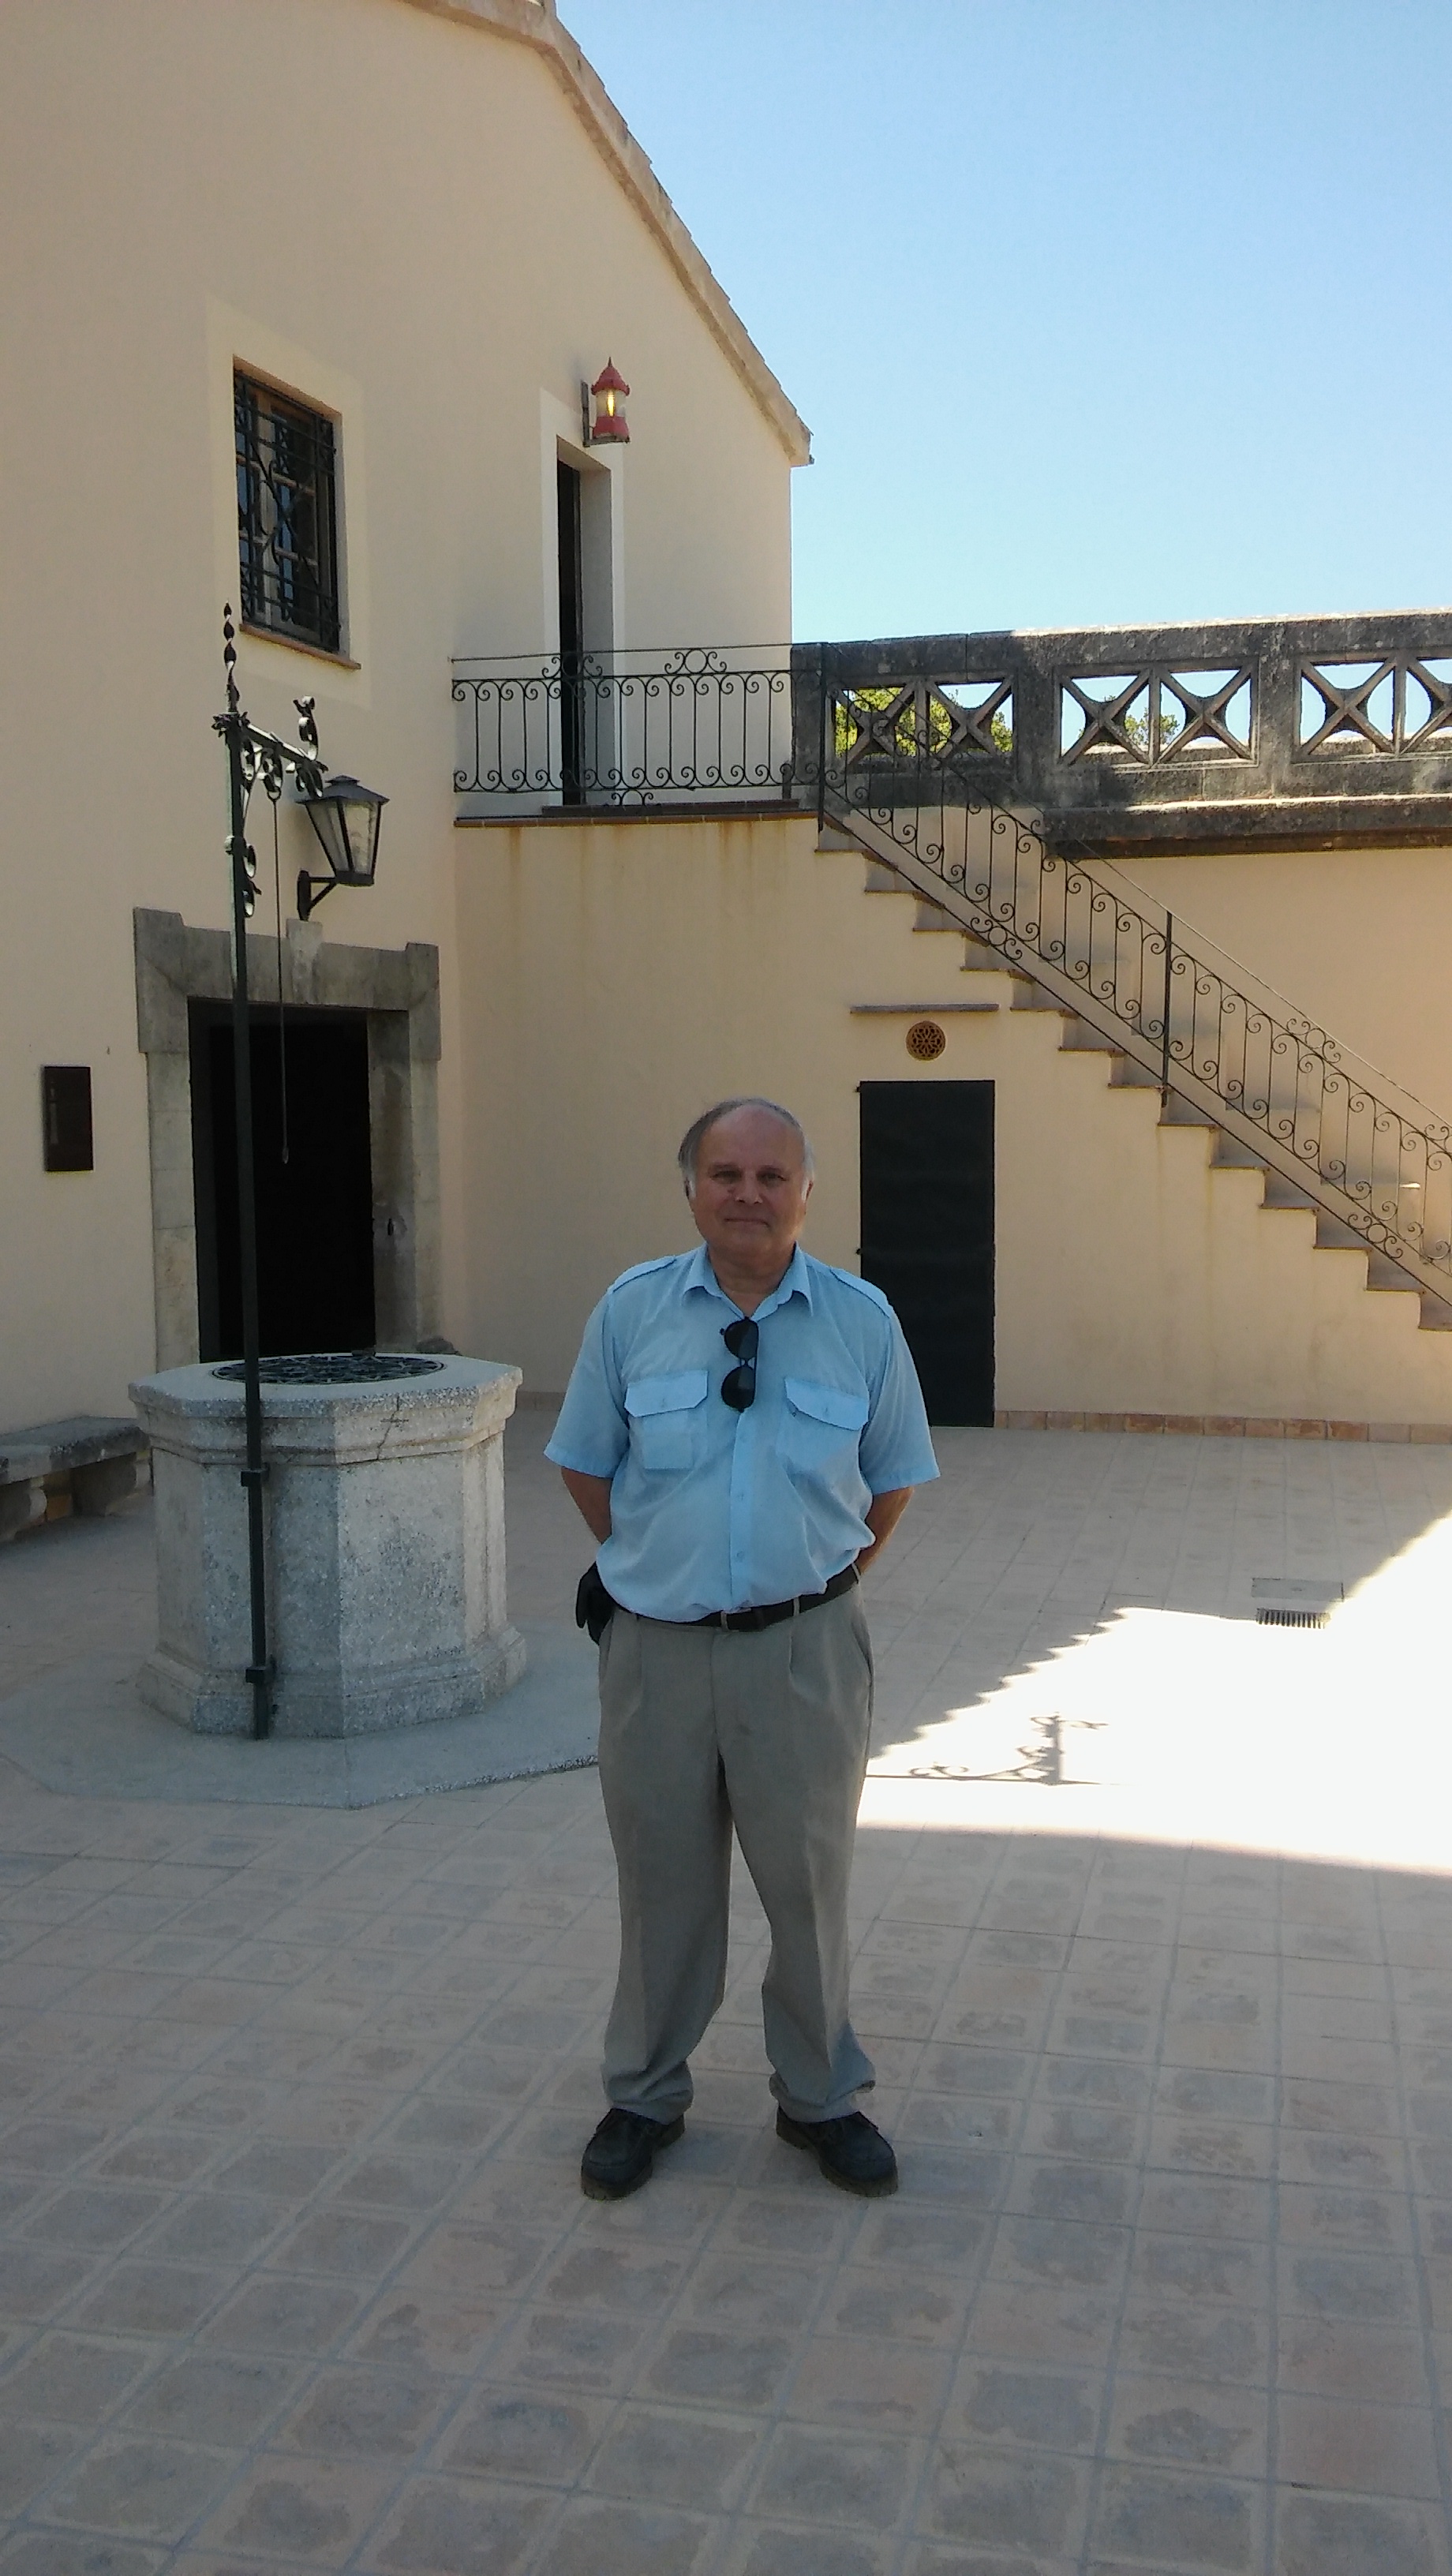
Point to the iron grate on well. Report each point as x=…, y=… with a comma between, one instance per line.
x=335, y=1368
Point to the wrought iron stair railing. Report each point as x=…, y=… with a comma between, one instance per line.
x=895, y=766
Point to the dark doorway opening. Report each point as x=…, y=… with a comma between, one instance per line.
x=572, y=635
x=314, y=1210
x=927, y=1232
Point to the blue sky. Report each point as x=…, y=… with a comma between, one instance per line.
x=1100, y=311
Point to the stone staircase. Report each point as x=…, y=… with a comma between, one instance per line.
x=1128, y=1072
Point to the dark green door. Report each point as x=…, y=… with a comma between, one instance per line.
x=927, y=1232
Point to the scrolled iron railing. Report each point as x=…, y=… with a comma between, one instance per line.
x=696, y=725
x=909, y=786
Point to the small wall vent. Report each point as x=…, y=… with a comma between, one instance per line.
x=925, y=1041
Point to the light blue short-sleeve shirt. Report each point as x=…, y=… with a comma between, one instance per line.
x=716, y=1510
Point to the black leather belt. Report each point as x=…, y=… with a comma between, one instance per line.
x=772, y=1611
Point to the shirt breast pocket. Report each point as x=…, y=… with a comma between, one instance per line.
x=665, y=1419
x=821, y=1427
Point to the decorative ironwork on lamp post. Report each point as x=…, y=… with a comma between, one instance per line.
x=346, y=818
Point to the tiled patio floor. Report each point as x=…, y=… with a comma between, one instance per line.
x=295, y=2272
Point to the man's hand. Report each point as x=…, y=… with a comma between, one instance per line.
x=882, y=1516
x=591, y=1498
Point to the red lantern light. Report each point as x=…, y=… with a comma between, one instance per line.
x=610, y=421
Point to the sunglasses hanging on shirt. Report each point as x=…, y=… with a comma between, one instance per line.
x=738, y=1386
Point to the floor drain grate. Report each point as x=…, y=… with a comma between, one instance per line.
x=1294, y=1601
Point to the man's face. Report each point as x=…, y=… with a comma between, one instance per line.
x=751, y=1191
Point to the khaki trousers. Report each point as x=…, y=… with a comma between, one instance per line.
x=703, y=1729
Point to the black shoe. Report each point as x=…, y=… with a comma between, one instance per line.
x=850, y=2152
x=620, y=2155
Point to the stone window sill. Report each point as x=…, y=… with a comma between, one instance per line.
x=294, y=644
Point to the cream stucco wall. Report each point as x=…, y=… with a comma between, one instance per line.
x=641, y=970
x=1361, y=939
x=401, y=216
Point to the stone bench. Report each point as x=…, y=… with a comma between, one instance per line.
x=89, y=1463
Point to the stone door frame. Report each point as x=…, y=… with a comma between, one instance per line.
x=398, y=988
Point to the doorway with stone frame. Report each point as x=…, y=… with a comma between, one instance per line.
x=389, y=1000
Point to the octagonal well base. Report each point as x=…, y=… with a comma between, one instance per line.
x=384, y=1518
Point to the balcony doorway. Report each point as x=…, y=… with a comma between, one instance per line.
x=313, y=1176
x=927, y=1232
x=588, y=756
x=572, y=636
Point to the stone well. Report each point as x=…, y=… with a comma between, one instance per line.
x=384, y=1507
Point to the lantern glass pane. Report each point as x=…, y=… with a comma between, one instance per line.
x=357, y=818
x=326, y=822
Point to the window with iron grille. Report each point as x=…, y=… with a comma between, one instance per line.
x=287, y=524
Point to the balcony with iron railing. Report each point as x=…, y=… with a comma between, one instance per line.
x=604, y=733
x=1308, y=732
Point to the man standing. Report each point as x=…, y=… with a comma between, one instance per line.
x=742, y=1431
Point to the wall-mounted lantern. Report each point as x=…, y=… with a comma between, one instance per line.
x=606, y=393
x=345, y=817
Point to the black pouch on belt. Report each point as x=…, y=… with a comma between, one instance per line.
x=594, y=1607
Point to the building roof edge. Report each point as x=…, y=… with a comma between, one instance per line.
x=535, y=23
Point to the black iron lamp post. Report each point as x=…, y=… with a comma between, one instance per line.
x=345, y=817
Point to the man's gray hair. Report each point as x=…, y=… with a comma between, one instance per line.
x=691, y=1142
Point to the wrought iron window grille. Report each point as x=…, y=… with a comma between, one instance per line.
x=287, y=515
